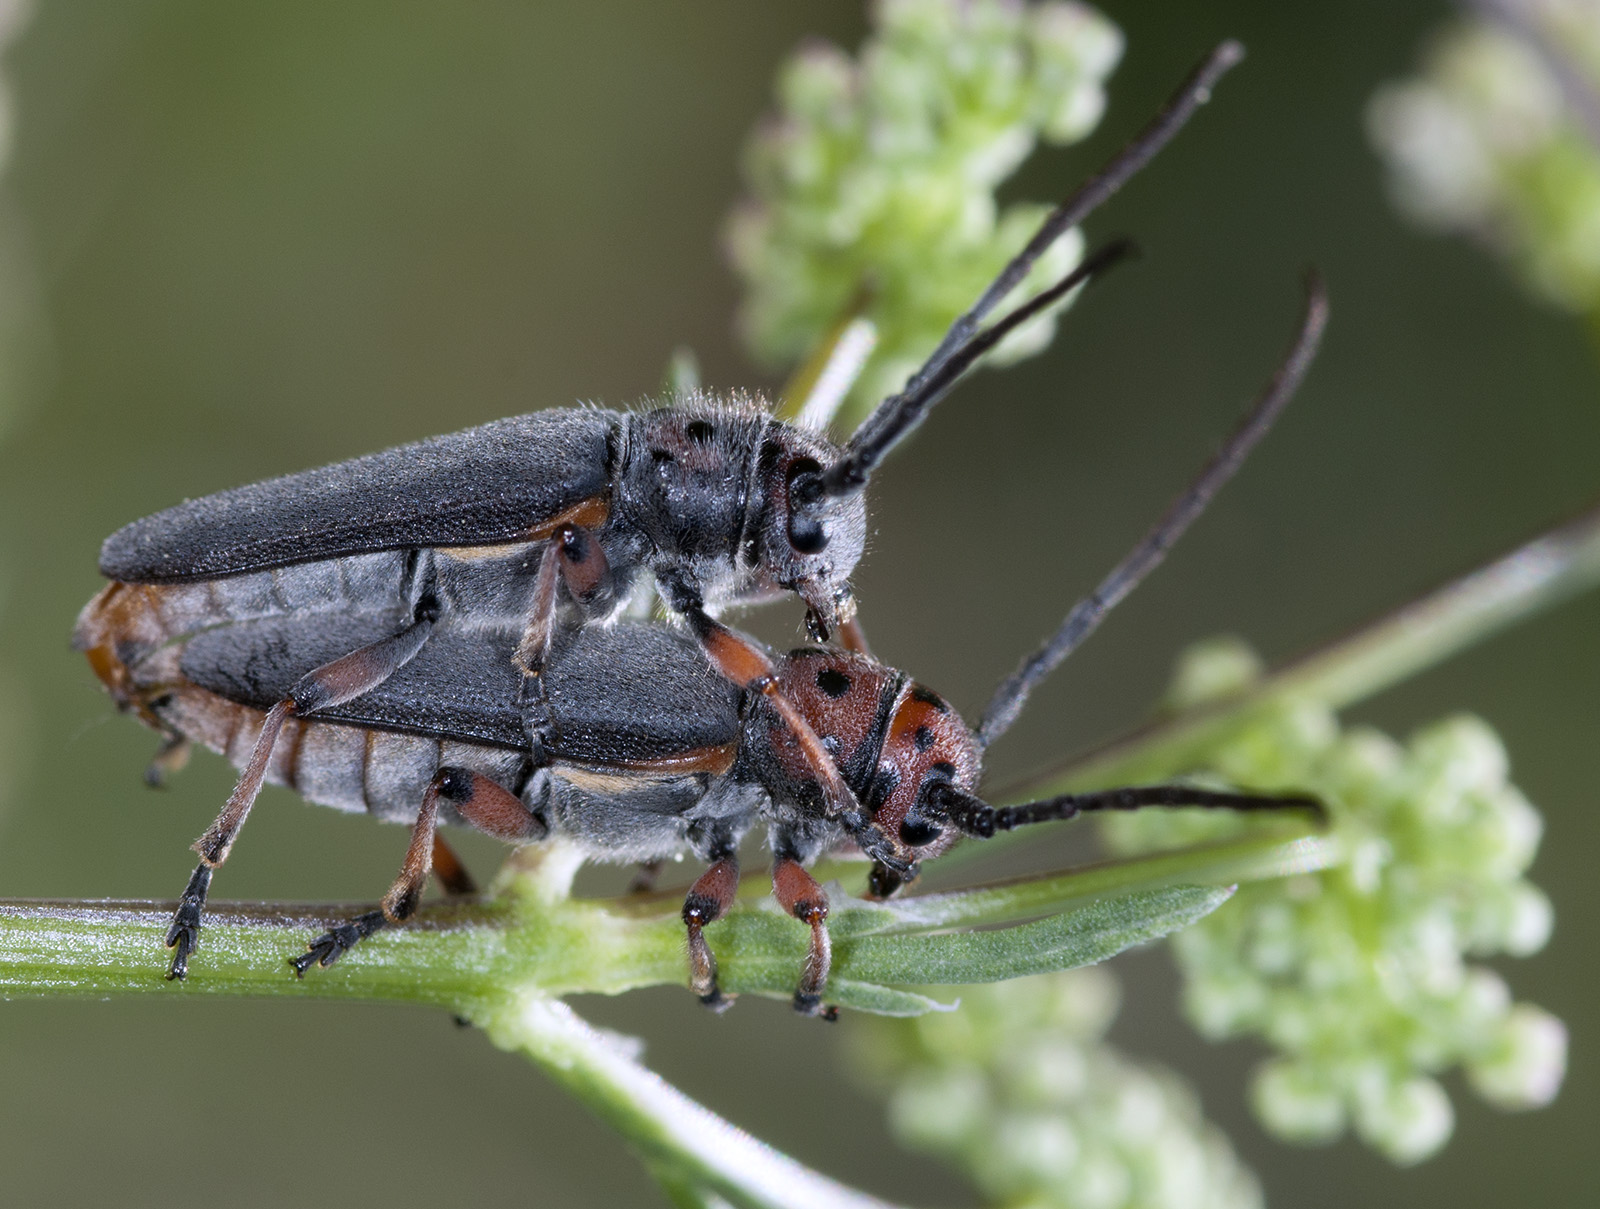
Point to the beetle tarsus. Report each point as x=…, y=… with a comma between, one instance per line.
x=183, y=937
x=717, y=1000
x=337, y=941
x=812, y=1005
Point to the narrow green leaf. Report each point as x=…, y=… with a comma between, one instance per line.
x=882, y=1001
x=1062, y=942
x=762, y=952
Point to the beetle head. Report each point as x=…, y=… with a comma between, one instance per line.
x=807, y=540
x=896, y=743
x=926, y=749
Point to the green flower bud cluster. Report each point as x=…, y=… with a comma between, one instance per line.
x=1357, y=976
x=872, y=192
x=1487, y=140
x=1018, y=1088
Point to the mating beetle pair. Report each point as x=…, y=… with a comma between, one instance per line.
x=430, y=603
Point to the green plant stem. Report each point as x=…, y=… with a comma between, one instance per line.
x=1553, y=567
x=461, y=955
x=693, y=1148
x=501, y=963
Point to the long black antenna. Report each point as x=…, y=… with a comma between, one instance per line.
x=1087, y=614
x=973, y=816
x=897, y=415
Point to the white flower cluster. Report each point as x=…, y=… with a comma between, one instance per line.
x=1500, y=137
x=1018, y=1089
x=872, y=191
x=1358, y=976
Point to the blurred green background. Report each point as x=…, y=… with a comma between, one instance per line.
x=265, y=237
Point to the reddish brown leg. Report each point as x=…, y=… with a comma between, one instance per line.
x=853, y=638
x=183, y=937
x=576, y=559
x=333, y=683
x=747, y=665
x=477, y=799
x=452, y=875
x=707, y=901
x=799, y=894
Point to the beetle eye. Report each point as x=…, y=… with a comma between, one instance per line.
x=918, y=831
x=806, y=533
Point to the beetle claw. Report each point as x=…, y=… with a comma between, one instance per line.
x=183, y=937
x=337, y=941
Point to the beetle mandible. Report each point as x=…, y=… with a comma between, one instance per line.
x=641, y=750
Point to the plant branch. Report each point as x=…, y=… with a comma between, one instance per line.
x=1553, y=567
x=691, y=1148
x=464, y=955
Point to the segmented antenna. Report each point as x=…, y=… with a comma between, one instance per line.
x=896, y=416
x=1145, y=557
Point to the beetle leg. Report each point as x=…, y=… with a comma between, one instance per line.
x=799, y=894
x=477, y=799
x=747, y=665
x=170, y=757
x=453, y=876
x=337, y=941
x=491, y=808
x=853, y=638
x=707, y=901
x=184, y=935
x=335, y=683
x=575, y=558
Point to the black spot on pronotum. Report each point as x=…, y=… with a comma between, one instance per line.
x=833, y=682
x=929, y=697
x=922, y=737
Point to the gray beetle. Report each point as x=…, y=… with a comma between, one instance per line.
x=641, y=747
x=717, y=501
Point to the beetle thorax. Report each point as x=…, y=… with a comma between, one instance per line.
x=706, y=487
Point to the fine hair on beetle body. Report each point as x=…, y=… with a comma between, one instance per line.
x=548, y=521
x=638, y=747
